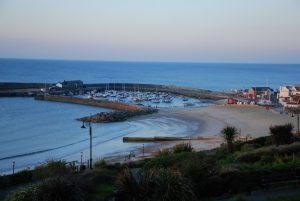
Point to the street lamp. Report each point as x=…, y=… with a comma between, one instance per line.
x=90, y=133
x=295, y=112
x=297, y=122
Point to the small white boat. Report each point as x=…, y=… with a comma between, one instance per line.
x=156, y=100
x=265, y=103
x=185, y=99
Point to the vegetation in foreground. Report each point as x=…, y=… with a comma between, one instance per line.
x=174, y=174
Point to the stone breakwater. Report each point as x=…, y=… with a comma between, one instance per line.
x=123, y=111
x=117, y=115
x=17, y=89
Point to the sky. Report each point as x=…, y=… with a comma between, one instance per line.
x=254, y=31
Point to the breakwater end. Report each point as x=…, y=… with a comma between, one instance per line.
x=115, y=116
x=122, y=111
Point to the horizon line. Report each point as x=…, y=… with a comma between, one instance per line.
x=144, y=61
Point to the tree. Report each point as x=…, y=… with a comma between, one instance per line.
x=229, y=133
x=282, y=134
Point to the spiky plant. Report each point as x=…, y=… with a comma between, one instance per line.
x=229, y=133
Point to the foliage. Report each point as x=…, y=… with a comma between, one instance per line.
x=282, y=134
x=24, y=194
x=247, y=147
x=184, y=147
x=229, y=134
x=59, y=189
x=22, y=176
x=164, y=152
x=269, y=152
x=240, y=197
x=291, y=197
x=100, y=163
x=155, y=185
x=54, y=189
x=51, y=169
x=167, y=160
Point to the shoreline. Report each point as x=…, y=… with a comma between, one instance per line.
x=254, y=121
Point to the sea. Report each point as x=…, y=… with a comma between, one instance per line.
x=32, y=132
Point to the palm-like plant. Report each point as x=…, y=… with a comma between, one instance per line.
x=229, y=133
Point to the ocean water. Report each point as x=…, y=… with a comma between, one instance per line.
x=32, y=132
x=202, y=75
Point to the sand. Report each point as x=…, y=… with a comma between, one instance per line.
x=249, y=120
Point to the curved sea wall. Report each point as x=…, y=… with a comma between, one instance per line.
x=17, y=89
x=123, y=111
x=91, y=102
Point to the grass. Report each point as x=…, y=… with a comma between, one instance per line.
x=102, y=192
x=293, y=197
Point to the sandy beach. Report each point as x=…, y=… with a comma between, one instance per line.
x=250, y=120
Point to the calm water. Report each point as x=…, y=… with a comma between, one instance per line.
x=208, y=76
x=32, y=131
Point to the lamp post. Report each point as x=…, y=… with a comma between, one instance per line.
x=14, y=164
x=297, y=123
x=90, y=133
x=295, y=112
x=81, y=154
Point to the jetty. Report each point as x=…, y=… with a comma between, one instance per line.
x=32, y=89
x=121, y=111
x=165, y=138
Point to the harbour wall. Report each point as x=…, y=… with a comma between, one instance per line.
x=91, y=102
x=29, y=89
x=121, y=111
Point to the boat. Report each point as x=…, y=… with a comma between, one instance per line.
x=185, y=99
x=266, y=103
x=167, y=100
x=156, y=100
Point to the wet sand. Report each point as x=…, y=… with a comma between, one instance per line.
x=249, y=120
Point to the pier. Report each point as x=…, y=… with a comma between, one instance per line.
x=121, y=111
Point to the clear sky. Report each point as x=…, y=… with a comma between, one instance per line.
x=265, y=31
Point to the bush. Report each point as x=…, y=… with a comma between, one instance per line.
x=164, y=152
x=24, y=194
x=50, y=169
x=282, y=134
x=100, y=163
x=59, y=189
x=155, y=185
x=184, y=147
x=240, y=198
x=267, y=152
x=20, y=177
x=247, y=147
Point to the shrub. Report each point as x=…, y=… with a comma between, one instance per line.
x=59, y=189
x=100, y=163
x=282, y=134
x=184, y=147
x=247, y=147
x=155, y=185
x=164, y=152
x=271, y=151
x=50, y=169
x=240, y=198
x=24, y=194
